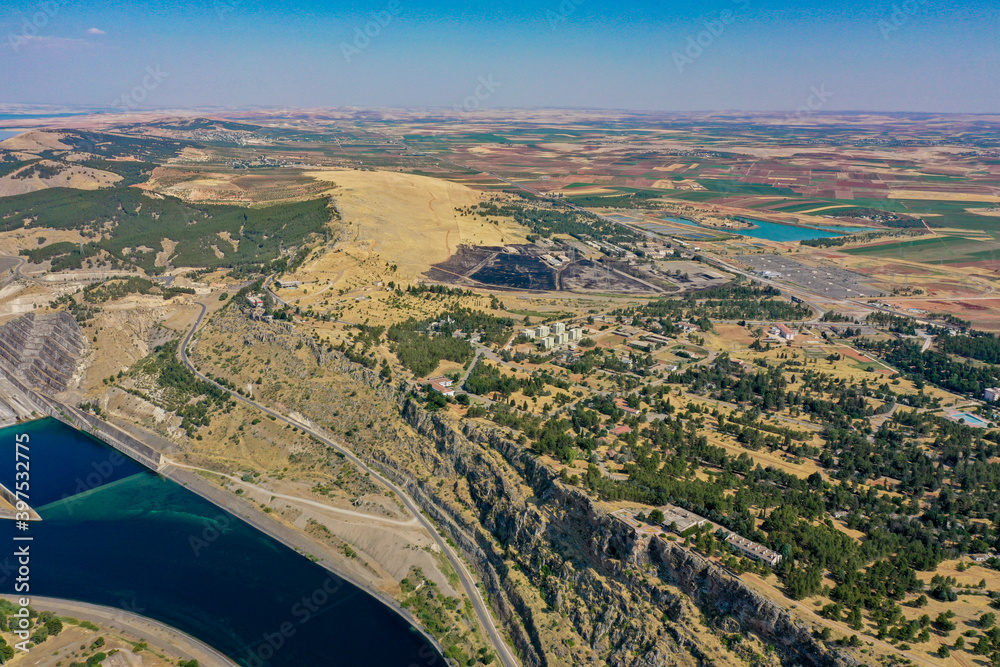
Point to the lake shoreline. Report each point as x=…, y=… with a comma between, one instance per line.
x=155, y=633
x=256, y=521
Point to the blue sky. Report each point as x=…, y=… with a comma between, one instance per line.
x=918, y=55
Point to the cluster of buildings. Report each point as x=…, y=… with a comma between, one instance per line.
x=257, y=311
x=550, y=337
x=556, y=260
x=442, y=385
x=680, y=520
x=753, y=550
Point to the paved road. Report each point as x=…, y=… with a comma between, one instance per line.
x=468, y=582
x=302, y=501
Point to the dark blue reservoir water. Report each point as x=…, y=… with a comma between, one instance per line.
x=114, y=534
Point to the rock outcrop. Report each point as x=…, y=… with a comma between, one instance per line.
x=596, y=570
x=43, y=350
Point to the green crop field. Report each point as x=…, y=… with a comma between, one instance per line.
x=944, y=249
x=736, y=187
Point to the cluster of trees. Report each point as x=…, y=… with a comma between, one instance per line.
x=64, y=255
x=834, y=316
x=736, y=301
x=181, y=391
x=127, y=219
x=894, y=323
x=834, y=241
x=934, y=366
x=42, y=170
x=421, y=352
x=42, y=625
x=486, y=379
x=114, y=289
x=974, y=345
x=549, y=221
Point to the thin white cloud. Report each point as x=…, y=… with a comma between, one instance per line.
x=96, y=31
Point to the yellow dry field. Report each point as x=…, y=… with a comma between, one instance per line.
x=233, y=187
x=35, y=141
x=942, y=196
x=205, y=188
x=11, y=243
x=967, y=607
x=826, y=208
x=763, y=457
x=872, y=650
x=985, y=211
x=593, y=190
x=562, y=147
x=404, y=220
x=76, y=177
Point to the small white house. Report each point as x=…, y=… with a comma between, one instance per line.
x=783, y=332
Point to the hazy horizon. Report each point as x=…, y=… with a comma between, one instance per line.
x=722, y=56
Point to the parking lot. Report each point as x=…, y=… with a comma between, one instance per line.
x=829, y=281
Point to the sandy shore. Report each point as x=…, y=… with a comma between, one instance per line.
x=156, y=634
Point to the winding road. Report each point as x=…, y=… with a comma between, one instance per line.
x=465, y=577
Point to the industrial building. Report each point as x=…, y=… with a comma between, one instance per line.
x=753, y=550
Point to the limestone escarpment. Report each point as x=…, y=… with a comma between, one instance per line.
x=43, y=350
x=594, y=569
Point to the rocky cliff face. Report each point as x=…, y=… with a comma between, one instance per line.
x=43, y=349
x=636, y=600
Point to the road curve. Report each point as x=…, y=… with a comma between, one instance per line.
x=132, y=623
x=468, y=582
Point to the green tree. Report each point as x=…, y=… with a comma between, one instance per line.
x=54, y=626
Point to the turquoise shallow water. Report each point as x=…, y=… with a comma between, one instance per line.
x=118, y=535
x=773, y=231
